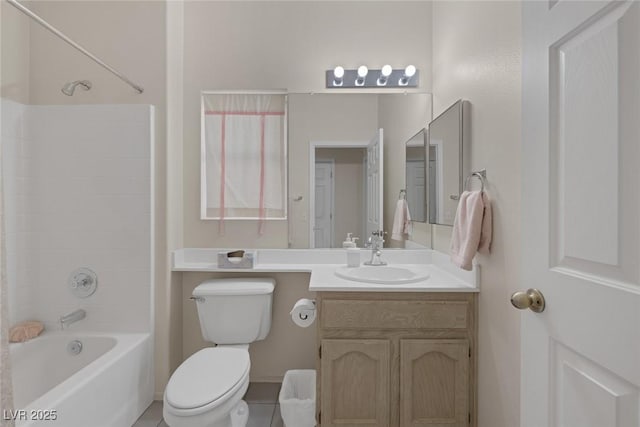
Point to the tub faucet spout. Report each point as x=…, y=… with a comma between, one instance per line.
x=72, y=317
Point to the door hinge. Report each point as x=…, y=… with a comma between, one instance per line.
x=469, y=352
x=469, y=417
x=320, y=418
x=320, y=352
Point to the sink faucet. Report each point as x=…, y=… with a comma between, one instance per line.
x=72, y=317
x=375, y=242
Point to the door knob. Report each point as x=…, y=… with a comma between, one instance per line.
x=531, y=299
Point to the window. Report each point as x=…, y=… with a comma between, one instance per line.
x=243, y=150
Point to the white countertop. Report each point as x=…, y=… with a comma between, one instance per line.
x=322, y=264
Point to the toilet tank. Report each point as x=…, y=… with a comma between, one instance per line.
x=234, y=311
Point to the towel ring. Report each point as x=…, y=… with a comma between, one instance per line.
x=481, y=175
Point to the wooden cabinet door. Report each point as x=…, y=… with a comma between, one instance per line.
x=434, y=383
x=355, y=383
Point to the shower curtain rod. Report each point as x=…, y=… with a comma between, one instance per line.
x=58, y=33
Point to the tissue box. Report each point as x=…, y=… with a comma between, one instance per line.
x=246, y=261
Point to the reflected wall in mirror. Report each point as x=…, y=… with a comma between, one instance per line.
x=342, y=122
x=345, y=192
x=448, y=159
x=338, y=212
x=415, y=162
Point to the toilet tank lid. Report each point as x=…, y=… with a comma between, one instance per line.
x=239, y=286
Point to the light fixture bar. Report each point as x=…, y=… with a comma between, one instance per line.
x=350, y=79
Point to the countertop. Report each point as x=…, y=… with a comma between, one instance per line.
x=322, y=264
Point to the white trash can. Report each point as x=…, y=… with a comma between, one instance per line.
x=298, y=398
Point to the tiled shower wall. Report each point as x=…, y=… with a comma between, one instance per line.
x=82, y=199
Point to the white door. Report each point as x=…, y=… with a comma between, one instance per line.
x=323, y=225
x=581, y=213
x=374, y=184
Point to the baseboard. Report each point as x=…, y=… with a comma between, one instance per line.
x=261, y=379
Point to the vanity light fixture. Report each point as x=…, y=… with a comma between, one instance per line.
x=409, y=72
x=363, y=77
x=338, y=74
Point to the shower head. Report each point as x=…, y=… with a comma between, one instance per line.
x=69, y=88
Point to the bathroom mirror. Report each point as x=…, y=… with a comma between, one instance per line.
x=415, y=166
x=329, y=134
x=448, y=159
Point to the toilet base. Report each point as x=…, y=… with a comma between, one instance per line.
x=237, y=417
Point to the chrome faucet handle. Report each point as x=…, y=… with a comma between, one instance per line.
x=368, y=243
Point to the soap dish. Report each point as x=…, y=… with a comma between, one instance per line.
x=235, y=259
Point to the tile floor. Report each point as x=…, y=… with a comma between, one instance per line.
x=262, y=398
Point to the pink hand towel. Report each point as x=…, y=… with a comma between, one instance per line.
x=401, y=220
x=472, y=228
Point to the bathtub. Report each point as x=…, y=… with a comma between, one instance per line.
x=109, y=383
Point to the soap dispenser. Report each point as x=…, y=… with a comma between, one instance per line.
x=353, y=253
x=349, y=242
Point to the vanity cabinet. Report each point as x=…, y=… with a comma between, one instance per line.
x=396, y=359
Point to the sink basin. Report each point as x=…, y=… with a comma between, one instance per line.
x=381, y=274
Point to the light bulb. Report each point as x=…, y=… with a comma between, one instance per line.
x=410, y=71
x=384, y=75
x=338, y=73
x=362, y=74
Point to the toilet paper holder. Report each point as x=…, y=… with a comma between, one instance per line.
x=303, y=313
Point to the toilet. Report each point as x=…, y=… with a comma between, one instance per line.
x=207, y=389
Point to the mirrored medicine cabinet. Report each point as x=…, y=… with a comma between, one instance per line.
x=448, y=158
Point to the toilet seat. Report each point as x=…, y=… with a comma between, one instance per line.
x=207, y=379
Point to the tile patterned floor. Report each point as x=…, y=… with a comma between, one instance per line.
x=262, y=398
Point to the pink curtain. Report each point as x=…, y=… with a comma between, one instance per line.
x=245, y=157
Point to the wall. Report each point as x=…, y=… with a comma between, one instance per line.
x=14, y=54
x=349, y=188
x=477, y=56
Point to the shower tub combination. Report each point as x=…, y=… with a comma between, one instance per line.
x=66, y=379
x=79, y=379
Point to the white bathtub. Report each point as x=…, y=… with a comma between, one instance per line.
x=108, y=384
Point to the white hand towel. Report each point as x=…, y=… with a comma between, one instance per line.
x=472, y=228
x=401, y=220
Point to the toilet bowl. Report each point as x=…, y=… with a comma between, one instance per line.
x=207, y=389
